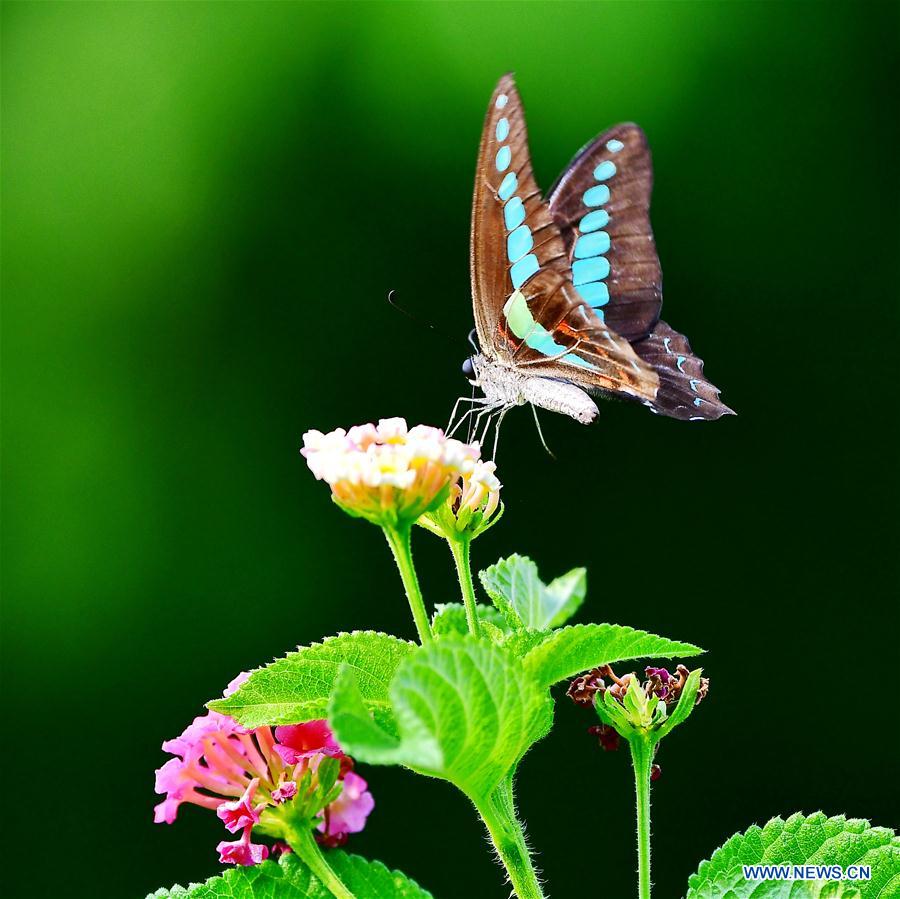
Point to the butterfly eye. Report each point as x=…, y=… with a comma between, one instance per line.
x=468, y=369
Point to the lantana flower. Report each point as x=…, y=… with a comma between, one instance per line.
x=471, y=507
x=387, y=473
x=256, y=778
x=627, y=707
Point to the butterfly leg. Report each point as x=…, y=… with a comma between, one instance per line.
x=540, y=432
x=488, y=411
x=476, y=401
x=503, y=412
x=494, y=420
x=462, y=399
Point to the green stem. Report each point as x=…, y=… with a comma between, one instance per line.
x=642, y=759
x=460, y=549
x=303, y=843
x=499, y=814
x=399, y=542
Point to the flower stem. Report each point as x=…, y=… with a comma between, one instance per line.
x=461, y=556
x=399, y=542
x=499, y=814
x=301, y=840
x=642, y=759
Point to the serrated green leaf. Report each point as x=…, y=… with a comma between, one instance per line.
x=802, y=840
x=518, y=592
x=296, y=688
x=571, y=650
x=569, y=590
x=450, y=618
x=797, y=889
x=521, y=642
x=291, y=879
x=466, y=712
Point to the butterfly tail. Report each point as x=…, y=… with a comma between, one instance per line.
x=684, y=392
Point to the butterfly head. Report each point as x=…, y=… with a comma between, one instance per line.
x=468, y=369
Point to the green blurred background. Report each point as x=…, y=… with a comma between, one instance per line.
x=204, y=206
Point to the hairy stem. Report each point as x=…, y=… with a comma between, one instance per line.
x=499, y=814
x=303, y=843
x=642, y=759
x=461, y=556
x=399, y=542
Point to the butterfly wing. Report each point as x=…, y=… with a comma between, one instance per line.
x=601, y=205
x=614, y=238
x=683, y=391
x=528, y=312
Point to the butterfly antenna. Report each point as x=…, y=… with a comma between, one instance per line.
x=417, y=318
x=540, y=432
x=473, y=341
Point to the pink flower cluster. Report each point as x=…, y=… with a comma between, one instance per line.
x=244, y=774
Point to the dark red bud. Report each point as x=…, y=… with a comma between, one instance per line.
x=607, y=737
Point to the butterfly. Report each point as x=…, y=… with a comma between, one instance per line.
x=567, y=288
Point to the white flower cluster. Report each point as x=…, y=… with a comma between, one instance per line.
x=479, y=491
x=388, y=473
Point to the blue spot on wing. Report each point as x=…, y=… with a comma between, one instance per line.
x=596, y=293
x=519, y=243
x=605, y=170
x=523, y=270
x=593, y=221
x=587, y=270
x=596, y=196
x=508, y=186
x=514, y=213
x=593, y=244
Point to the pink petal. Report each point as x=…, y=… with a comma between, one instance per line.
x=300, y=741
x=236, y=682
x=242, y=853
x=166, y=811
x=348, y=813
x=240, y=813
x=287, y=790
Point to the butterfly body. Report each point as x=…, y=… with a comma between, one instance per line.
x=505, y=386
x=567, y=288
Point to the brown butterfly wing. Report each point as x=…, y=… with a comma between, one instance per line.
x=630, y=297
x=683, y=392
x=518, y=256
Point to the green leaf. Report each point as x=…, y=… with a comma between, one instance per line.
x=521, y=642
x=466, y=712
x=687, y=702
x=296, y=688
x=569, y=590
x=291, y=879
x=802, y=840
x=612, y=713
x=450, y=618
x=525, y=601
x=571, y=650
